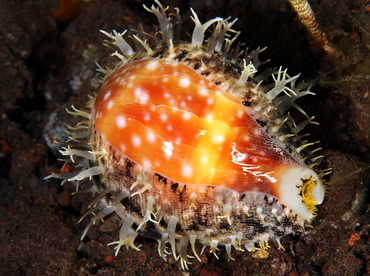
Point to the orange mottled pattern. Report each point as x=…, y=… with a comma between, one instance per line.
x=168, y=118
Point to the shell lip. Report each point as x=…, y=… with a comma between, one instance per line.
x=301, y=189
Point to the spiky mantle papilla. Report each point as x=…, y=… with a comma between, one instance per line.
x=187, y=143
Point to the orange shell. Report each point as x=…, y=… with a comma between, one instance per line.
x=168, y=118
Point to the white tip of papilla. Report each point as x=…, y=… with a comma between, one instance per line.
x=300, y=189
x=249, y=70
x=199, y=29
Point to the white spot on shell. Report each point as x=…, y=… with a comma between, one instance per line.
x=110, y=105
x=98, y=115
x=146, y=164
x=203, y=91
x=186, y=115
x=184, y=82
x=107, y=95
x=150, y=136
x=121, y=121
x=141, y=95
x=257, y=132
x=147, y=117
x=152, y=65
x=167, y=148
x=123, y=148
x=163, y=117
x=136, y=141
x=240, y=113
x=218, y=139
x=186, y=171
x=131, y=78
x=210, y=101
